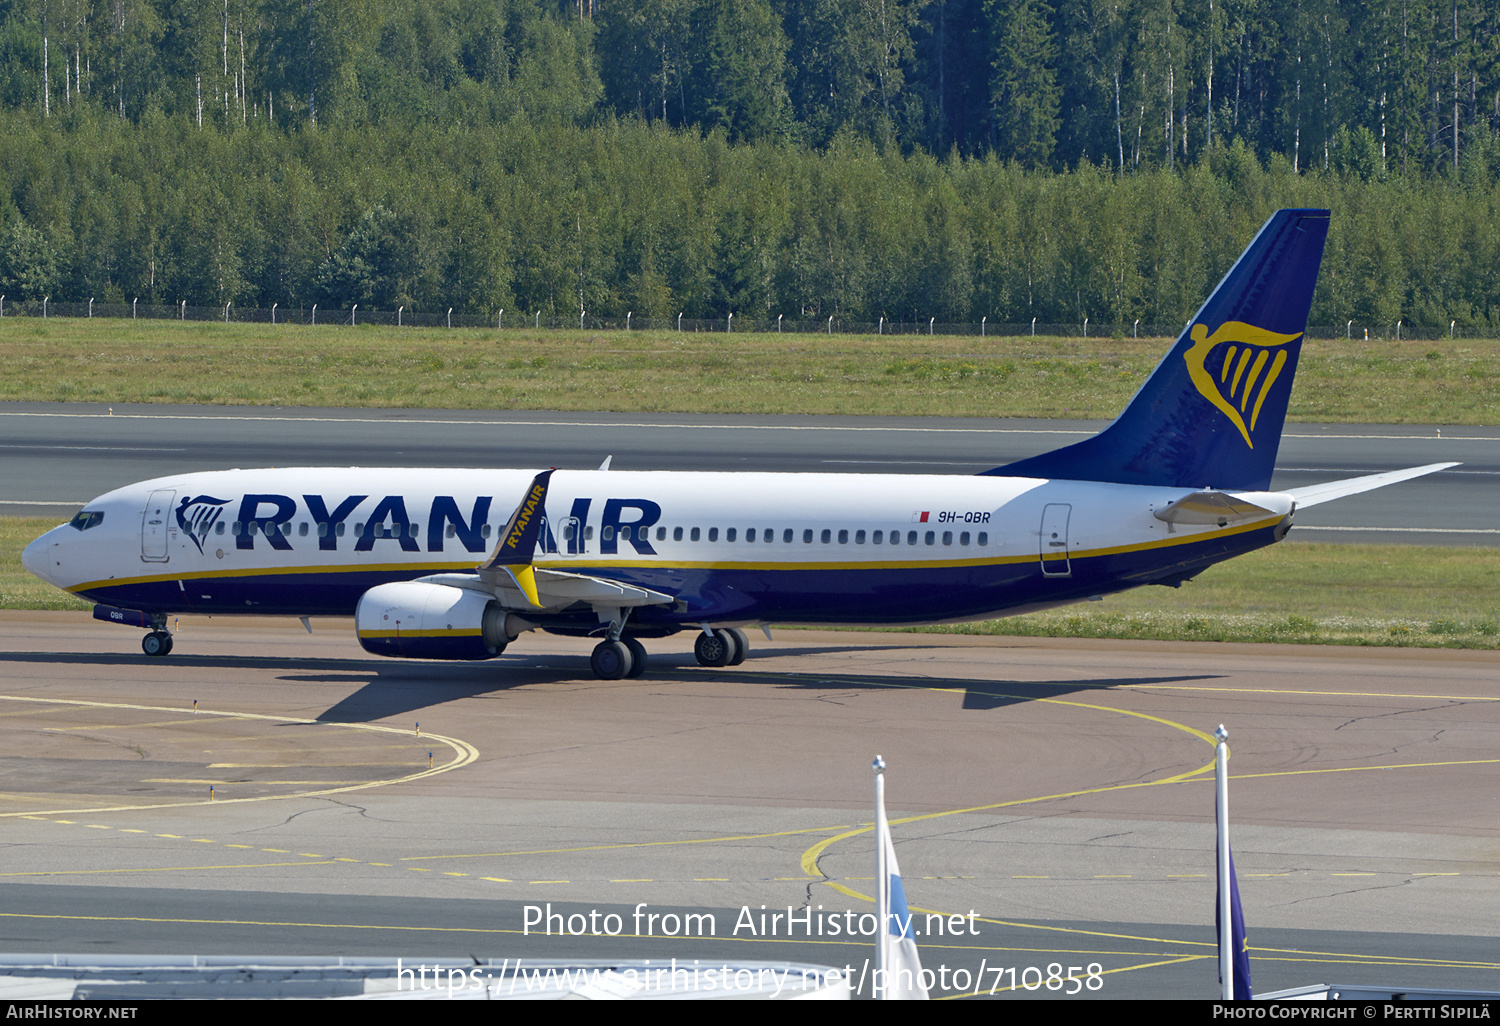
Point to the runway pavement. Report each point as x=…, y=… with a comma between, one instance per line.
x=1051, y=802
x=56, y=456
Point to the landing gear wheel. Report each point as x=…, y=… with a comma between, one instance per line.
x=157, y=643
x=741, y=646
x=610, y=660
x=716, y=650
x=637, y=657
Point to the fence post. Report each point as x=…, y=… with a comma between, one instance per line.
x=1398, y=331
x=226, y=311
x=44, y=306
x=679, y=322
x=830, y=324
x=729, y=324
x=778, y=320
x=500, y=319
x=450, y=317
x=538, y=320
x=353, y=312
x=1085, y=327
x=1450, y=323
x=2, y=304
x=628, y=315
x=1135, y=329
x=134, y=301
x=273, y=312
x=981, y=324
x=931, y=323
x=398, y=314
x=1033, y=327
x=315, y=313
x=91, y=306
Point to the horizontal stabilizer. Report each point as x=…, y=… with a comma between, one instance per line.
x=1213, y=507
x=1314, y=494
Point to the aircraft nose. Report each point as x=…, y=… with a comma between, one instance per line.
x=35, y=557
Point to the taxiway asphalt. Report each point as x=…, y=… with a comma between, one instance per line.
x=1058, y=790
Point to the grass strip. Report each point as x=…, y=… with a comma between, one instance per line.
x=109, y=361
x=1311, y=593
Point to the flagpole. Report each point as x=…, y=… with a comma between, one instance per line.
x=1226, y=943
x=882, y=876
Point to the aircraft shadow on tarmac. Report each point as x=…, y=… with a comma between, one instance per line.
x=389, y=688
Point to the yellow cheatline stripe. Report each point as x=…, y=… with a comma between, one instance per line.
x=186, y=574
x=583, y=564
x=463, y=754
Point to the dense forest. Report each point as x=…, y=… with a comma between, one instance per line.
x=955, y=159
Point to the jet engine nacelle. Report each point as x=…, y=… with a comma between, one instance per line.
x=417, y=620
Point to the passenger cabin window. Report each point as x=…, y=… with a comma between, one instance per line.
x=749, y=534
x=695, y=534
x=827, y=536
x=786, y=536
x=843, y=537
x=770, y=534
x=729, y=534
x=984, y=537
x=661, y=533
x=859, y=537
x=911, y=537
x=86, y=518
x=713, y=534
x=219, y=527
x=877, y=538
x=677, y=534
x=807, y=536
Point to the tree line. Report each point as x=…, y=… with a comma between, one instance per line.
x=1401, y=85
x=905, y=159
x=628, y=216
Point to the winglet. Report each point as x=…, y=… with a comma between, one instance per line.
x=517, y=544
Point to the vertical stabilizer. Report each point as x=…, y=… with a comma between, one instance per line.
x=1210, y=415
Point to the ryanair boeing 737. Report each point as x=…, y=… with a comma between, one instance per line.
x=456, y=564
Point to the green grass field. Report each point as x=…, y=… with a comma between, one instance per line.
x=1294, y=592
x=102, y=360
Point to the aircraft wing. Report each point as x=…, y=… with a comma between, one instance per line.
x=1312, y=495
x=554, y=589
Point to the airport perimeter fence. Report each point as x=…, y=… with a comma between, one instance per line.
x=507, y=319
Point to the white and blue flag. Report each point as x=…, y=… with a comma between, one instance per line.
x=898, y=967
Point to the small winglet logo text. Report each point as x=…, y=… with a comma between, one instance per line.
x=1243, y=380
x=197, y=516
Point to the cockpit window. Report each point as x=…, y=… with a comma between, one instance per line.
x=86, y=518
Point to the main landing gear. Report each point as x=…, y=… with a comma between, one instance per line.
x=157, y=643
x=625, y=657
x=727, y=646
x=615, y=660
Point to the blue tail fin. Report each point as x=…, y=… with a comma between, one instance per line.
x=1210, y=415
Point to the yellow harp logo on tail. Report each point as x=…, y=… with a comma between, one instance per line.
x=1243, y=380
